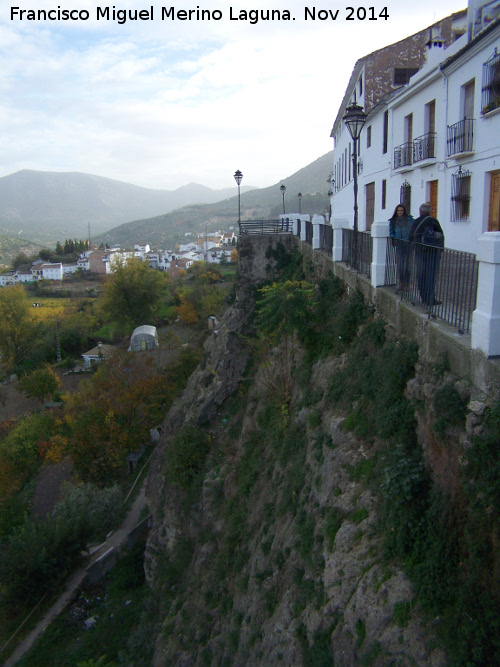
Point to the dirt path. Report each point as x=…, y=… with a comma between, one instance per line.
x=116, y=539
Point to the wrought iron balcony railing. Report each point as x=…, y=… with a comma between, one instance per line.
x=403, y=155
x=460, y=137
x=424, y=147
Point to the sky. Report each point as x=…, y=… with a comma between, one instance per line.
x=163, y=102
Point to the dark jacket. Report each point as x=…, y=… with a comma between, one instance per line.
x=428, y=231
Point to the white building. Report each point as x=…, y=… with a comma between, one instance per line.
x=437, y=139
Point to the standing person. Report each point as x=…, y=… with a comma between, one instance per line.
x=399, y=231
x=427, y=236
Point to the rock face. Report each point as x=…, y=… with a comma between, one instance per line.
x=276, y=559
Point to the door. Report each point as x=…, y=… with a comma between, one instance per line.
x=433, y=197
x=370, y=205
x=494, y=214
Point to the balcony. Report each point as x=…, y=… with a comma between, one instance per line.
x=403, y=155
x=460, y=137
x=423, y=147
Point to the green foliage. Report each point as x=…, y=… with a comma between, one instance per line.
x=39, y=554
x=99, y=509
x=481, y=475
x=19, y=333
x=374, y=380
x=401, y=612
x=186, y=455
x=21, y=447
x=40, y=383
x=284, y=307
x=133, y=296
x=287, y=265
x=449, y=409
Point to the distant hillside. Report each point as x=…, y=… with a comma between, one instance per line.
x=10, y=247
x=166, y=230
x=45, y=207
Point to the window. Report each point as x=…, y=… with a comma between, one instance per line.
x=490, y=98
x=368, y=136
x=386, y=132
x=384, y=194
x=360, y=85
x=460, y=195
x=402, y=75
x=405, y=196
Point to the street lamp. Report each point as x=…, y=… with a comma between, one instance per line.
x=283, y=190
x=237, y=177
x=300, y=199
x=355, y=118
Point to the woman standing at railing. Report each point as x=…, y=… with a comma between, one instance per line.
x=399, y=231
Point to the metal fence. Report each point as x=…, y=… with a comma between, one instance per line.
x=266, y=227
x=326, y=239
x=442, y=281
x=357, y=250
x=309, y=232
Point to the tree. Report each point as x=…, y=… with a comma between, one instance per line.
x=17, y=327
x=234, y=256
x=40, y=383
x=134, y=294
x=112, y=413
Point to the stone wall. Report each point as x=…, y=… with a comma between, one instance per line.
x=434, y=337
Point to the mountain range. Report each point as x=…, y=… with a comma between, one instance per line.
x=46, y=207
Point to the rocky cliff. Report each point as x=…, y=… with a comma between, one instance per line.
x=284, y=527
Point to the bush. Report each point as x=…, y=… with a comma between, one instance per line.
x=186, y=455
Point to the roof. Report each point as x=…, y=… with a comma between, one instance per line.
x=146, y=329
x=99, y=351
x=481, y=35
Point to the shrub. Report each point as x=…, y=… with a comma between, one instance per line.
x=186, y=455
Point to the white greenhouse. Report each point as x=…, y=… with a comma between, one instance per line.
x=144, y=338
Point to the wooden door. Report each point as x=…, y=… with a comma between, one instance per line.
x=494, y=215
x=370, y=205
x=433, y=197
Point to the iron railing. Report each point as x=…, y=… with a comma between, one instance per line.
x=309, y=232
x=357, y=250
x=423, y=147
x=443, y=281
x=326, y=239
x=490, y=93
x=403, y=155
x=266, y=227
x=460, y=137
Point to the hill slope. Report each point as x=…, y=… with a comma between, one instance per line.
x=46, y=207
x=263, y=203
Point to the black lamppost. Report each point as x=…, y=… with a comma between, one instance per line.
x=237, y=177
x=300, y=199
x=283, y=190
x=355, y=118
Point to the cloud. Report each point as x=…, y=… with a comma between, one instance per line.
x=162, y=103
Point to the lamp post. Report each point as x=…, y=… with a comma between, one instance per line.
x=300, y=199
x=283, y=190
x=237, y=177
x=355, y=118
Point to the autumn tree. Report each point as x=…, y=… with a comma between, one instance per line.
x=134, y=294
x=40, y=383
x=18, y=330
x=111, y=414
